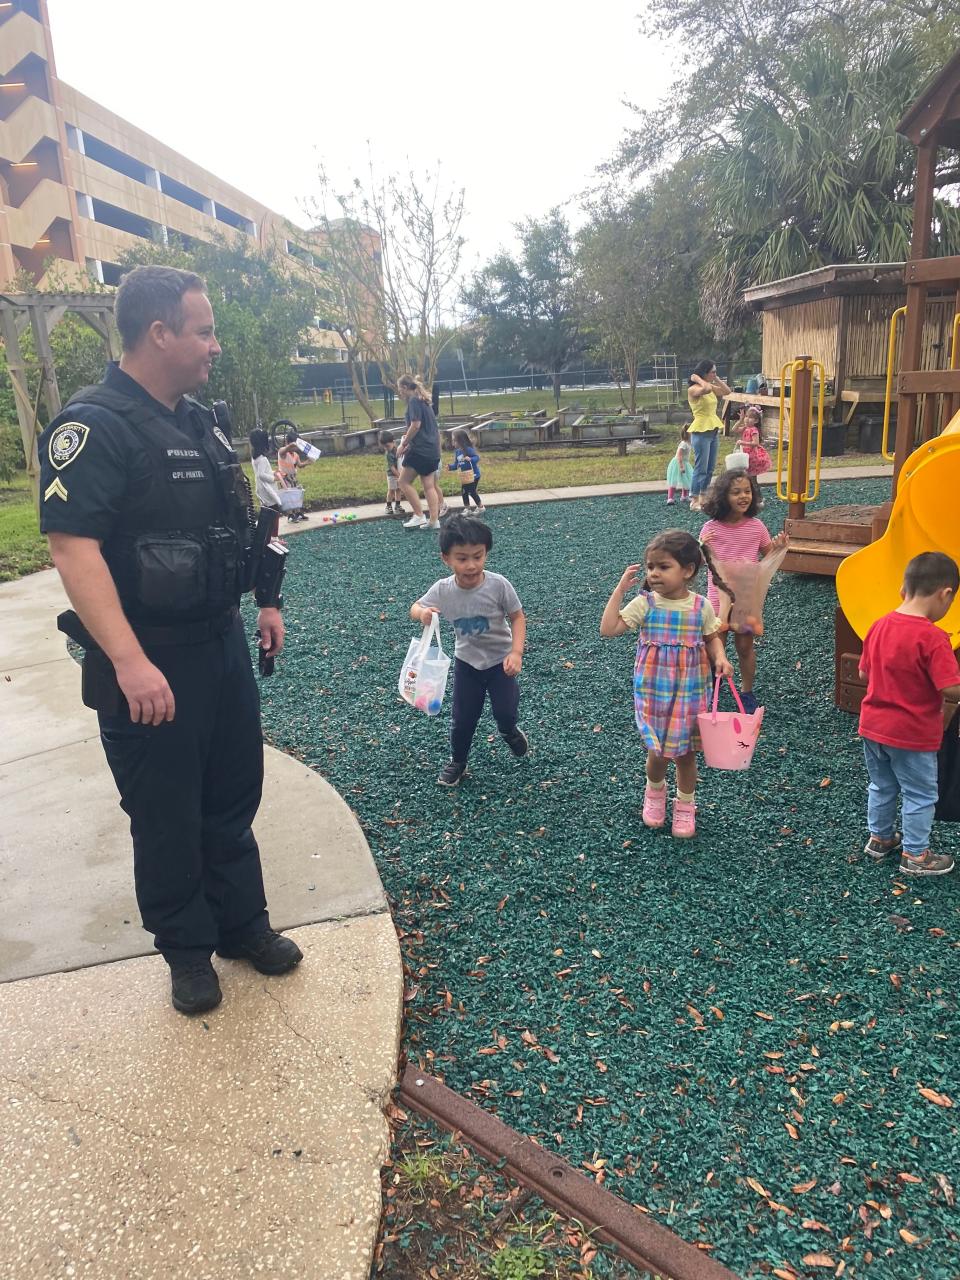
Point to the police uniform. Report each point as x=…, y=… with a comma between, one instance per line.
x=163, y=493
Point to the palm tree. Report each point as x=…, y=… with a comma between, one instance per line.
x=820, y=175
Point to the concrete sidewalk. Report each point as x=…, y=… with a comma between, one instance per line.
x=375, y=511
x=138, y=1143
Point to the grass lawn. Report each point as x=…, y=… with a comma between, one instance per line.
x=340, y=481
x=753, y=1034
x=22, y=549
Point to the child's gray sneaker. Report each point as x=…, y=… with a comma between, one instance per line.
x=926, y=864
x=878, y=849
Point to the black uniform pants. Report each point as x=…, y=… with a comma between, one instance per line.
x=191, y=788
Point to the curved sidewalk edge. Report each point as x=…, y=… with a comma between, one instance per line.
x=374, y=510
x=249, y=1139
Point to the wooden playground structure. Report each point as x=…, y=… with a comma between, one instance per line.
x=926, y=380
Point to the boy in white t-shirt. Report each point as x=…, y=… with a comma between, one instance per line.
x=488, y=618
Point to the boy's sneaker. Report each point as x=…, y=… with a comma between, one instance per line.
x=389, y=509
x=451, y=773
x=925, y=864
x=684, y=819
x=517, y=742
x=416, y=522
x=749, y=701
x=878, y=849
x=480, y=509
x=654, y=807
x=427, y=524
x=399, y=509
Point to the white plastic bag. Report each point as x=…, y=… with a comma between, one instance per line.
x=290, y=499
x=423, y=676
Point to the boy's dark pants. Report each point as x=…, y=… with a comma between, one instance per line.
x=470, y=688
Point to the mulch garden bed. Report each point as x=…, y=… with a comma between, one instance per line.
x=752, y=1035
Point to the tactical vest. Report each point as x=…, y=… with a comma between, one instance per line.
x=179, y=548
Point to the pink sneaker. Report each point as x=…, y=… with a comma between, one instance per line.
x=684, y=819
x=654, y=807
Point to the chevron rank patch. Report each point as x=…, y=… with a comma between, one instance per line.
x=56, y=489
x=66, y=442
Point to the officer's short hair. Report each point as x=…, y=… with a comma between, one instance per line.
x=154, y=293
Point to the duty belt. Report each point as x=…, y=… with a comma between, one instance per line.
x=185, y=632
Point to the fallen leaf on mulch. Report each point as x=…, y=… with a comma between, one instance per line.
x=931, y=1095
x=818, y=1260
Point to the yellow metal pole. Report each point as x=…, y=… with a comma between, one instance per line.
x=888, y=393
x=801, y=431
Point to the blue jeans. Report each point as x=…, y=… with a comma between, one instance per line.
x=912, y=774
x=704, y=459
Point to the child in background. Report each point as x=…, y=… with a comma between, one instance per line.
x=680, y=470
x=679, y=637
x=910, y=668
x=751, y=442
x=289, y=462
x=734, y=533
x=491, y=629
x=262, y=471
x=466, y=461
x=387, y=443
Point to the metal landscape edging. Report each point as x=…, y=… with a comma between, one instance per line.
x=635, y=1236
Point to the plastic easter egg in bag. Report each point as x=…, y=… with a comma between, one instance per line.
x=749, y=581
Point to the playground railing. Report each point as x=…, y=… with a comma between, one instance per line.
x=888, y=393
x=799, y=439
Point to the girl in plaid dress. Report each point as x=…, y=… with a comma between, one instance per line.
x=678, y=639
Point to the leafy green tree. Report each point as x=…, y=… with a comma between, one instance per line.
x=529, y=305
x=799, y=160
x=640, y=262
x=262, y=309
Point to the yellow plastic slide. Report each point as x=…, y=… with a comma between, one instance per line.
x=926, y=517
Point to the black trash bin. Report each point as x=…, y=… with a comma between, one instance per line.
x=834, y=439
x=871, y=433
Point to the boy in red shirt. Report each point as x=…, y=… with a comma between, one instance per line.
x=909, y=667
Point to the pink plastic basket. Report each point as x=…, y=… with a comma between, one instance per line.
x=728, y=737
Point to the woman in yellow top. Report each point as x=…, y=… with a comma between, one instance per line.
x=702, y=394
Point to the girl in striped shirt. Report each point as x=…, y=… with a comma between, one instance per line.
x=733, y=532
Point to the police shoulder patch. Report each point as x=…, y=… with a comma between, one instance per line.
x=66, y=442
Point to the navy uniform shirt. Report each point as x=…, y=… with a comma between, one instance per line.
x=91, y=464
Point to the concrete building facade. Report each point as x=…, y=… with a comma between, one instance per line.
x=79, y=185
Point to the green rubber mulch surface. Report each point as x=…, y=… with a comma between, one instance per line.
x=733, y=1032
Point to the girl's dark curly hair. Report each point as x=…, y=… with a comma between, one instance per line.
x=716, y=501
x=687, y=551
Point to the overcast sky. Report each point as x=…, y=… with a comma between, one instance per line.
x=517, y=99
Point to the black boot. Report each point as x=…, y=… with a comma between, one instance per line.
x=269, y=952
x=194, y=986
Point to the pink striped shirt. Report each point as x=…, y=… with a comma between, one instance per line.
x=741, y=541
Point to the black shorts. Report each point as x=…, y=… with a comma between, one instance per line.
x=421, y=464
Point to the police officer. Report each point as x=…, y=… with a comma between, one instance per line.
x=148, y=519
